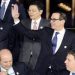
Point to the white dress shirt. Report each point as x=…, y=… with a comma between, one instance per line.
x=6, y=4
x=59, y=38
x=71, y=73
x=10, y=70
x=37, y=21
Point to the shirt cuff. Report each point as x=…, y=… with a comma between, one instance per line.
x=16, y=22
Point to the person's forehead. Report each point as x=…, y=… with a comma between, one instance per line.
x=4, y=57
x=55, y=15
x=33, y=6
x=70, y=56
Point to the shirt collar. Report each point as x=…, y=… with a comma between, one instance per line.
x=71, y=73
x=61, y=31
x=2, y=69
x=37, y=20
x=10, y=70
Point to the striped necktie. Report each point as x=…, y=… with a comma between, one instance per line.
x=54, y=42
x=73, y=73
x=35, y=25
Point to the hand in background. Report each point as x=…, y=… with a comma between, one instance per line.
x=14, y=12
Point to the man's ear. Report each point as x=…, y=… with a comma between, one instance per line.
x=41, y=11
x=64, y=21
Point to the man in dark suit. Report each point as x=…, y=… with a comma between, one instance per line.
x=6, y=67
x=65, y=42
x=70, y=61
x=62, y=47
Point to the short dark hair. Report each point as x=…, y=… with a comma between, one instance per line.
x=38, y=4
x=62, y=16
x=72, y=52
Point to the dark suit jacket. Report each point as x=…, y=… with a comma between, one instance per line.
x=46, y=57
x=4, y=30
x=8, y=17
x=20, y=68
x=57, y=60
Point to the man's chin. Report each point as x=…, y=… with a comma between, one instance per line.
x=68, y=69
x=7, y=68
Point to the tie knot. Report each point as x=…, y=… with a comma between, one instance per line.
x=35, y=22
x=56, y=33
x=73, y=73
x=35, y=26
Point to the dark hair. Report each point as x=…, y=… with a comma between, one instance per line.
x=72, y=52
x=38, y=4
x=19, y=1
x=62, y=16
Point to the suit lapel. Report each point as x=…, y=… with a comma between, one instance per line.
x=50, y=33
x=29, y=24
x=41, y=23
x=64, y=43
x=15, y=70
x=26, y=23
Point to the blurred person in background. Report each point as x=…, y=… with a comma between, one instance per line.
x=6, y=64
x=70, y=62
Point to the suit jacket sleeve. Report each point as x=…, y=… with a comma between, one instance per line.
x=37, y=34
